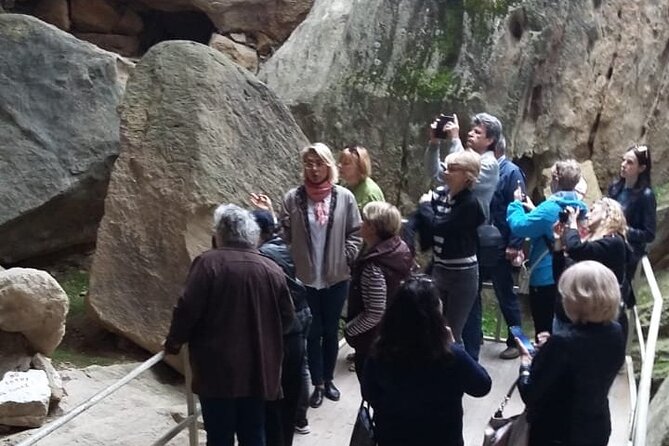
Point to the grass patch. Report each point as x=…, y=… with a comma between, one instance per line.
x=65, y=356
x=75, y=284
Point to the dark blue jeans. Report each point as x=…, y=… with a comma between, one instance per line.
x=225, y=417
x=323, y=341
x=502, y=283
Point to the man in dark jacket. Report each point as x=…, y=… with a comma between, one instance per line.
x=232, y=313
x=282, y=416
x=510, y=178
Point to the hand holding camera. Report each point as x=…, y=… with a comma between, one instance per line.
x=444, y=127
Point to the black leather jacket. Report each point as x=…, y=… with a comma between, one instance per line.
x=640, y=207
x=277, y=250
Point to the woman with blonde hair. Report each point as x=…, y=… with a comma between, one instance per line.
x=355, y=168
x=376, y=275
x=321, y=223
x=454, y=215
x=566, y=385
x=603, y=239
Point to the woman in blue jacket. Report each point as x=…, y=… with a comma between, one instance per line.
x=633, y=191
x=537, y=224
x=416, y=375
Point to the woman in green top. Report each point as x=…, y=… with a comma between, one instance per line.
x=355, y=169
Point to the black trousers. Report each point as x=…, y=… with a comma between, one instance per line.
x=280, y=415
x=542, y=307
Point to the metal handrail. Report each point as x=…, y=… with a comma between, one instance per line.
x=640, y=425
x=190, y=421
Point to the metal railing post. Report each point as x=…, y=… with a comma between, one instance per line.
x=190, y=399
x=643, y=396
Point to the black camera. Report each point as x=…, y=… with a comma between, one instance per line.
x=563, y=216
x=439, y=123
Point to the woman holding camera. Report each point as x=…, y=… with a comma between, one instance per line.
x=321, y=223
x=633, y=191
x=603, y=240
x=566, y=385
x=416, y=375
x=454, y=214
x=355, y=168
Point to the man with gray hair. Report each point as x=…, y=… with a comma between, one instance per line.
x=232, y=313
x=485, y=132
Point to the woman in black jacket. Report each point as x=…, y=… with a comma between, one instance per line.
x=602, y=238
x=416, y=375
x=633, y=191
x=454, y=214
x=565, y=386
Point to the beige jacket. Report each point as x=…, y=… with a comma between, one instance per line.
x=342, y=240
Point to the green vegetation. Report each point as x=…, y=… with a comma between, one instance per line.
x=75, y=284
x=482, y=14
x=662, y=194
x=66, y=356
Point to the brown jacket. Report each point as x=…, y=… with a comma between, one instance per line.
x=232, y=314
x=343, y=234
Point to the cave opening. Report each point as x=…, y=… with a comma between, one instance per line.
x=160, y=26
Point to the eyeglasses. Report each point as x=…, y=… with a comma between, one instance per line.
x=353, y=150
x=451, y=167
x=641, y=152
x=313, y=164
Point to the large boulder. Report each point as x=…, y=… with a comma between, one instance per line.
x=567, y=79
x=196, y=130
x=58, y=136
x=658, y=422
x=34, y=304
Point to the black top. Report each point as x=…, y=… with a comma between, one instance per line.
x=422, y=404
x=640, y=207
x=454, y=222
x=277, y=250
x=611, y=251
x=566, y=391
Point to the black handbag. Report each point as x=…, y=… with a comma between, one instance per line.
x=507, y=431
x=363, y=429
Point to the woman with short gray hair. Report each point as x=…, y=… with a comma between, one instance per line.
x=565, y=386
x=232, y=313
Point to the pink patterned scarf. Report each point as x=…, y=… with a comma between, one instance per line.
x=318, y=193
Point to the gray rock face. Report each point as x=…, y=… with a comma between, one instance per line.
x=658, y=422
x=58, y=136
x=196, y=130
x=581, y=79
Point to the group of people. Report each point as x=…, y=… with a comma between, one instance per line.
x=261, y=309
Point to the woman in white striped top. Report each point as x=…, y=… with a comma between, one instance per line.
x=455, y=214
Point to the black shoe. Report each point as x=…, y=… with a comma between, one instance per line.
x=316, y=398
x=331, y=392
